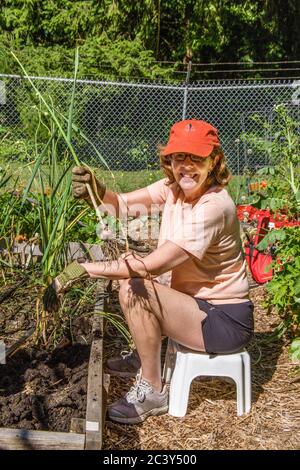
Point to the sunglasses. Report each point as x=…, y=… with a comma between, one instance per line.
x=180, y=157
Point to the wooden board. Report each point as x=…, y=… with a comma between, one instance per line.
x=22, y=439
x=96, y=399
x=74, y=250
x=78, y=425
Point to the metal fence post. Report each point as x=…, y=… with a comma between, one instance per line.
x=185, y=95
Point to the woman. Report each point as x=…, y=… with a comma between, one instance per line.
x=205, y=305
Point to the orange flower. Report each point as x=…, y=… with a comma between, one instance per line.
x=253, y=187
x=263, y=184
x=47, y=191
x=20, y=238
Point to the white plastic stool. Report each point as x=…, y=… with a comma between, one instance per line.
x=188, y=364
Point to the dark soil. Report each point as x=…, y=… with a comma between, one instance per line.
x=42, y=387
x=42, y=390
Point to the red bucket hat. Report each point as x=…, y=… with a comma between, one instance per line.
x=192, y=136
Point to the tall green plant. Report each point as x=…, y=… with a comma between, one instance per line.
x=51, y=183
x=282, y=145
x=66, y=128
x=55, y=206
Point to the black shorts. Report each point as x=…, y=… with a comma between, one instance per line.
x=227, y=328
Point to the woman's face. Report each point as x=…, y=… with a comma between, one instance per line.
x=190, y=172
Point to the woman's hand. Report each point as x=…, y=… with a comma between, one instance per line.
x=81, y=176
x=52, y=295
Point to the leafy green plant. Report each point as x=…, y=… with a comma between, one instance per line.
x=138, y=155
x=13, y=149
x=5, y=176
x=295, y=350
x=283, y=149
x=17, y=218
x=284, y=289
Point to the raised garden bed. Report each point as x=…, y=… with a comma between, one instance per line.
x=51, y=398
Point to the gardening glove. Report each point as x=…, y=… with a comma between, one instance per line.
x=82, y=175
x=72, y=273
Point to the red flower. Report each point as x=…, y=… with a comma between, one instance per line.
x=263, y=184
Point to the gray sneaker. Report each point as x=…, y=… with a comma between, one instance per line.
x=125, y=365
x=140, y=402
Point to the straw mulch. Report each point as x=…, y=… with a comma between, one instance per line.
x=211, y=421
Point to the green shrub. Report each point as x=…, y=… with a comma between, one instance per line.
x=282, y=146
x=284, y=289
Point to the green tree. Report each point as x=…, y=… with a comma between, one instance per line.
x=168, y=30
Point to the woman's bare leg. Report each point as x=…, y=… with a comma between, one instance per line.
x=153, y=310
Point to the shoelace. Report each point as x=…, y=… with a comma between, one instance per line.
x=125, y=354
x=131, y=358
x=138, y=390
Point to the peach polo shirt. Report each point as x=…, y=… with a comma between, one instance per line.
x=208, y=229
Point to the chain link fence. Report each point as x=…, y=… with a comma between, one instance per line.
x=126, y=121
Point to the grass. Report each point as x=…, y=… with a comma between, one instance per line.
x=124, y=181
